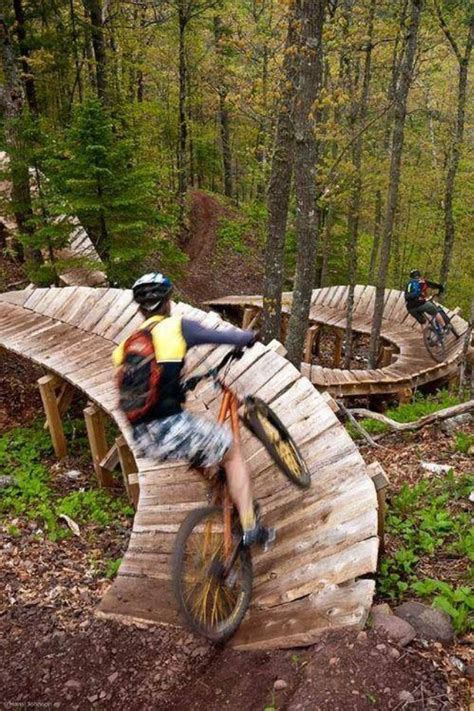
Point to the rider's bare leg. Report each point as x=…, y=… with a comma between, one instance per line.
x=240, y=489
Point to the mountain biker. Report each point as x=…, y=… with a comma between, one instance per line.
x=417, y=302
x=169, y=432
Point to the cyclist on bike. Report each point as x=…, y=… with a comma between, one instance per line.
x=417, y=302
x=169, y=432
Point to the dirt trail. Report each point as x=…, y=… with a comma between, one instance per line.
x=214, y=270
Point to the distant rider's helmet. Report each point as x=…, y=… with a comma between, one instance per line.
x=415, y=274
x=151, y=290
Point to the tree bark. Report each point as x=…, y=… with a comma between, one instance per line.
x=306, y=158
x=400, y=109
x=224, y=119
x=357, y=120
x=27, y=76
x=455, y=151
x=94, y=8
x=20, y=178
x=377, y=227
x=279, y=187
x=182, y=121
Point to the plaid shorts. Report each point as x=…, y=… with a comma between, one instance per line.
x=201, y=442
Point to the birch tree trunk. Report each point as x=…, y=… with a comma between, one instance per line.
x=306, y=157
x=279, y=187
x=400, y=109
x=455, y=150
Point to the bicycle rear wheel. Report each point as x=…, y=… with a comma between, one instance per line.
x=260, y=419
x=211, y=599
x=434, y=342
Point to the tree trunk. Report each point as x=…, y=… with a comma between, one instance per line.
x=376, y=243
x=358, y=120
x=455, y=152
x=400, y=108
x=306, y=157
x=224, y=121
x=94, y=9
x=182, y=122
x=77, y=62
x=20, y=178
x=27, y=76
x=279, y=186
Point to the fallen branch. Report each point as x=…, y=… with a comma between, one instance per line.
x=357, y=425
x=417, y=424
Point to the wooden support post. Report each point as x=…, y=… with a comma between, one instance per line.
x=129, y=470
x=284, y=327
x=98, y=443
x=48, y=396
x=310, y=338
x=404, y=396
x=250, y=317
x=386, y=358
x=380, y=479
x=336, y=361
x=64, y=399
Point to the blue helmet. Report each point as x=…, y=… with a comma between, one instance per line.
x=151, y=290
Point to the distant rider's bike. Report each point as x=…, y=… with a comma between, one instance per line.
x=211, y=568
x=435, y=335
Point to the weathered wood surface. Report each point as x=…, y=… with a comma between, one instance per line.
x=407, y=365
x=327, y=537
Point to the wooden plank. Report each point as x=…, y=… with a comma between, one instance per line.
x=309, y=617
x=15, y=297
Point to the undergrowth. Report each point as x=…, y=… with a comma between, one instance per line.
x=409, y=412
x=32, y=496
x=431, y=521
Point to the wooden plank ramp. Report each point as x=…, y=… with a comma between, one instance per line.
x=314, y=577
x=411, y=364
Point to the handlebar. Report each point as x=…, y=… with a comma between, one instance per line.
x=191, y=383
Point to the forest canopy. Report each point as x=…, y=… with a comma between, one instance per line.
x=123, y=106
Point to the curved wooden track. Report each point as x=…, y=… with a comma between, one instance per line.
x=411, y=365
x=311, y=579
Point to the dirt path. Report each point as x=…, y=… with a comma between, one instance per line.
x=214, y=270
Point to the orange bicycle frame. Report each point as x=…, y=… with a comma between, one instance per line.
x=229, y=409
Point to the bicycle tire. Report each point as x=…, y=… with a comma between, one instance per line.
x=260, y=419
x=434, y=343
x=225, y=627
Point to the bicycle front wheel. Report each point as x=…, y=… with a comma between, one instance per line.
x=260, y=419
x=212, y=596
x=434, y=342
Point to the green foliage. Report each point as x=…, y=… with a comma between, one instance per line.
x=111, y=568
x=409, y=412
x=22, y=451
x=457, y=602
x=426, y=518
x=234, y=233
x=463, y=442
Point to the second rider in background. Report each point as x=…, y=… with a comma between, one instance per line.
x=417, y=302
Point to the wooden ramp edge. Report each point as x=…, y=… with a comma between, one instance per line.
x=314, y=577
x=405, y=362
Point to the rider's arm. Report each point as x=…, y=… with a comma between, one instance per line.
x=435, y=285
x=196, y=335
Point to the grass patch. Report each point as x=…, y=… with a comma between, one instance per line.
x=409, y=412
x=428, y=521
x=32, y=496
x=463, y=442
